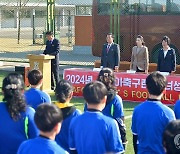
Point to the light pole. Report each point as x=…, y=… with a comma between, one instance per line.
x=51, y=15
x=33, y=24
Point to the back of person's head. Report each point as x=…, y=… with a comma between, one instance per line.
x=94, y=92
x=171, y=137
x=106, y=76
x=13, y=87
x=166, y=39
x=47, y=116
x=156, y=83
x=34, y=77
x=63, y=91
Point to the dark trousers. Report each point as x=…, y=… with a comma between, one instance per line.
x=138, y=70
x=54, y=74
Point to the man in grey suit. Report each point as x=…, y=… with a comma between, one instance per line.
x=110, y=56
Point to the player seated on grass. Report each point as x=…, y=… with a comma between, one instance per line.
x=177, y=109
x=64, y=93
x=16, y=119
x=34, y=96
x=48, y=119
x=171, y=137
x=92, y=132
x=114, y=105
x=151, y=117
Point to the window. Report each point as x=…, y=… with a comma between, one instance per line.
x=40, y=13
x=140, y=6
x=104, y=7
x=175, y=6
x=8, y=13
x=26, y=13
x=84, y=10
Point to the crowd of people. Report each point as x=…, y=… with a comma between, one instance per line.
x=166, y=60
x=31, y=123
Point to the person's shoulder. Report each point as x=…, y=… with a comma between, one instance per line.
x=59, y=149
x=27, y=143
x=39, y=92
x=77, y=119
x=173, y=50
x=134, y=47
x=177, y=102
x=43, y=93
x=2, y=104
x=29, y=91
x=115, y=44
x=77, y=112
x=118, y=98
x=56, y=40
x=166, y=109
x=145, y=47
x=29, y=110
x=108, y=121
x=140, y=106
x=161, y=50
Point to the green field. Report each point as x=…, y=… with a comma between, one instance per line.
x=79, y=103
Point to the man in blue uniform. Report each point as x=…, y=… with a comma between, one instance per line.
x=92, y=132
x=151, y=118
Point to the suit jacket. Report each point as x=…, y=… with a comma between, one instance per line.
x=111, y=58
x=140, y=58
x=53, y=49
x=167, y=64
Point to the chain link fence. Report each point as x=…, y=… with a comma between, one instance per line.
x=126, y=19
x=28, y=38
x=34, y=24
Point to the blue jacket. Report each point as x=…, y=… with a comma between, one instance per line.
x=53, y=49
x=167, y=64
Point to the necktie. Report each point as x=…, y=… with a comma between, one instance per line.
x=108, y=47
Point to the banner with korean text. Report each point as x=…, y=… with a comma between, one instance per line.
x=131, y=87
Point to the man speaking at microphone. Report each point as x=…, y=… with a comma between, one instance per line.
x=110, y=56
x=52, y=48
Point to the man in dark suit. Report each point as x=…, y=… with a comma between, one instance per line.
x=110, y=56
x=166, y=57
x=52, y=48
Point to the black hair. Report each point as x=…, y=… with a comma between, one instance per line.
x=171, y=137
x=111, y=34
x=156, y=83
x=94, y=92
x=34, y=77
x=47, y=116
x=12, y=87
x=49, y=33
x=166, y=39
x=141, y=38
x=106, y=76
x=63, y=90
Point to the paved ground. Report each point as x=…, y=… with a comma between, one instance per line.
x=67, y=60
x=66, y=57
